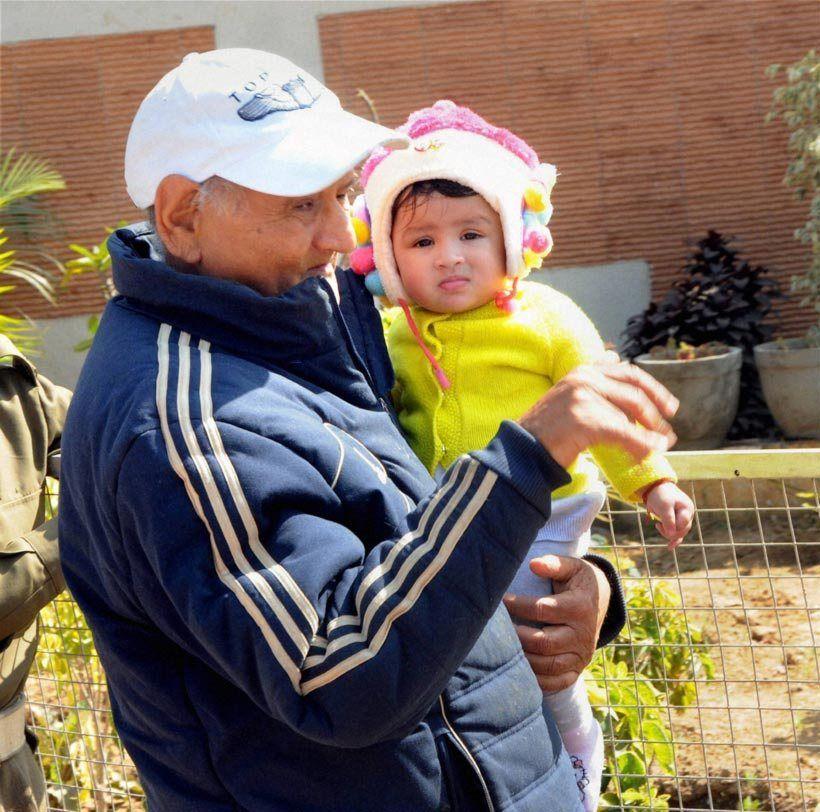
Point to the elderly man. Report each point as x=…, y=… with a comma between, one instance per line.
x=291, y=614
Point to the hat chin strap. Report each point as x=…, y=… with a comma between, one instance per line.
x=505, y=300
x=443, y=380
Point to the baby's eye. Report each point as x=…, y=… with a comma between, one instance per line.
x=471, y=235
x=424, y=242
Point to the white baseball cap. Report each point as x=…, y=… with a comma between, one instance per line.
x=250, y=117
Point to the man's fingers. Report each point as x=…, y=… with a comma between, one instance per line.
x=555, y=567
x=527, y=607
x=551, y=685
x=555, y=673
x=615, y=429
x=666, y=403
x=554, y=665
x=635, y=404
x=548, y=641
x=545, y=610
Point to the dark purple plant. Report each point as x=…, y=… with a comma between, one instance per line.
x=721, y=298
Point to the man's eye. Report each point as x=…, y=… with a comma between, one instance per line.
x=304, y=205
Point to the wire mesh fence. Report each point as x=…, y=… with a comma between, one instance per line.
x=724, y=631
x=709, y=699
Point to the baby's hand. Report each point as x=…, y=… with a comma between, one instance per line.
x=673, y=509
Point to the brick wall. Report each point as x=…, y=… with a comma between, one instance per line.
x=71, y=102
x=652, y=110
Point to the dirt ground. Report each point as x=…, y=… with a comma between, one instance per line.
x=753, y=735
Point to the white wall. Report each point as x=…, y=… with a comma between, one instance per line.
x=286, y=28
x=58, y=360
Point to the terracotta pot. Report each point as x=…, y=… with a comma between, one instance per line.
x=708, y=390
x=790, y=377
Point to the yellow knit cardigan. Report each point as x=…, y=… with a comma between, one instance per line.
x=499, y=364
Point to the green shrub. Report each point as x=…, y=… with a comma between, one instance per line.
x=797, y=103
x=23, y=180
x=632, y=685
x=95, y=259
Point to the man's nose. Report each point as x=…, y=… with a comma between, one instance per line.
x=336, y=233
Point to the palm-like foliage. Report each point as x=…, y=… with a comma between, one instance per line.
x=22, y=179
x=22, y=176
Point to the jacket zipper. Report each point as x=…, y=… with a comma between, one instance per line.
x=468, y=755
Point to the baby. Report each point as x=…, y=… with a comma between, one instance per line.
x=447, y=229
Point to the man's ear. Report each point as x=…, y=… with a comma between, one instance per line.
x=175, y=212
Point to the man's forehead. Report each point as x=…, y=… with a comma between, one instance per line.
x=347, y=179
x=274, y=201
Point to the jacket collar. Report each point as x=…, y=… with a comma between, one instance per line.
x=18, y=360
x=294, y=327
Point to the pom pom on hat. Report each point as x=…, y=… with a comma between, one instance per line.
x=538, y=241
x=374, y=284
x=359, y=210
x=361, y=260
x=362, y=231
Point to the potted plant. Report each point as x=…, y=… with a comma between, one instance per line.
x=706, y=381
x=720, y=298
x=790, y=369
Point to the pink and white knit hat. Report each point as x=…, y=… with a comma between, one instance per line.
x=454, y=143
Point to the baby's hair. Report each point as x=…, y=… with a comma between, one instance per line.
x=422, y=189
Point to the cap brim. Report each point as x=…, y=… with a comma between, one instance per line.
x=320, y=148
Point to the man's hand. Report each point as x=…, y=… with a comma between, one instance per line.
x=618, y=404
x=558, y=653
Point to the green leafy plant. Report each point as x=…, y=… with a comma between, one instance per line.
x=96, y=260
x=629, y=710
x=635, y=682
x=663, y=646
x=797, y=104
x=23, y=178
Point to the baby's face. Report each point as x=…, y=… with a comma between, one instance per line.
x=449, y=252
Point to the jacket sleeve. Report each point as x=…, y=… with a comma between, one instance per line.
x=31, y=576
x=30, y=572
x=249, y=571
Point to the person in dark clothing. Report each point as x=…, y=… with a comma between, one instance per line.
x=291, y=613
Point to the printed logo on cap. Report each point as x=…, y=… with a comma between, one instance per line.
x=269, y=97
